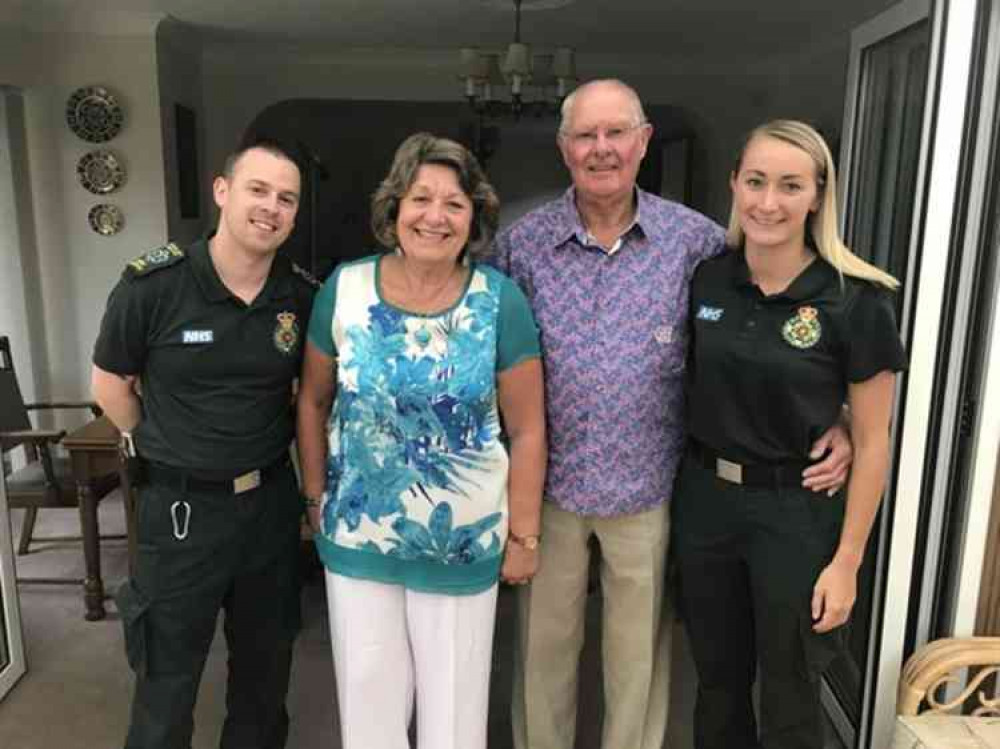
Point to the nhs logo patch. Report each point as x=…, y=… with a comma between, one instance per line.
x=712, y=314
x=197, y=336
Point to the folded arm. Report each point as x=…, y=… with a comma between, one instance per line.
x=117, y=396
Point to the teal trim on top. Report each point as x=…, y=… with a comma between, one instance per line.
x=414, y=574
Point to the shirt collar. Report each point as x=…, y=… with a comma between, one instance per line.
x=279, y=283
x=204, y=271
x=807, y=285
x=573, y=226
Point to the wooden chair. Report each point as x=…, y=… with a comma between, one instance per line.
x=46, y=480
x=939, y=664
x=967, y=718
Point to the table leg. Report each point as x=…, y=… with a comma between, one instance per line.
x=93, y=586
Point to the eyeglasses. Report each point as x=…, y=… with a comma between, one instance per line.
x=615, y=135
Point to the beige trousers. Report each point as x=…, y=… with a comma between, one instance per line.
x=635, y=632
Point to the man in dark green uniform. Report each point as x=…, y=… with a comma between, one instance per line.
x=195, y=363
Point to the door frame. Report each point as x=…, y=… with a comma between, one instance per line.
x=935, y=234
x=9, y=604
x=986, y=429
x=890, y=22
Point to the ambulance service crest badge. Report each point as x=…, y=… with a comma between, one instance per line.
x=286, y=334
x=803, y=329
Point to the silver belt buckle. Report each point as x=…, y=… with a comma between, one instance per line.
x=246, y=481
x=729, y=471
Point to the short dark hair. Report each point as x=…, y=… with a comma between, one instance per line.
x=424, y=148
x=268, y=143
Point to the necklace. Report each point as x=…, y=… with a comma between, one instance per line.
x=422, y=298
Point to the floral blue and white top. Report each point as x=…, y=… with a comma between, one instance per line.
x=416, y=489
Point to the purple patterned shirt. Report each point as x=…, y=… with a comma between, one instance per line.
x=614, y=342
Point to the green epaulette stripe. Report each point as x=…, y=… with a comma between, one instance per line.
x=305, y=275
x=161, y=257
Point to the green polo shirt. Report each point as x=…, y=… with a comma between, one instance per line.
x=216, y=373
x=769, y=374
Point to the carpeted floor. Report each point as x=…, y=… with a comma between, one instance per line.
x=77, y=689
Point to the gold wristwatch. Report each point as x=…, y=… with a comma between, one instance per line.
x=530, y=543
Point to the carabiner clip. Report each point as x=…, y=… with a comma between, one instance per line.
x=180, y=526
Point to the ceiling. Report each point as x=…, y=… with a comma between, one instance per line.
x=663, y=28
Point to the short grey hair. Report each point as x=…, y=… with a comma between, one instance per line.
x=413, y=153
x=570, y=101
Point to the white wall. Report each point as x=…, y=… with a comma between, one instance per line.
x=178, y=56
x=240, y=80
x=527, y=170
x=14, y=280
x=229, y=84
x=75, y=266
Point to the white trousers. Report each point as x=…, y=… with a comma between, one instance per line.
x=389, y=643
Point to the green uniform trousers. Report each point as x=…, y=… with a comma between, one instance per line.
x=202, y=550
x=747, y=560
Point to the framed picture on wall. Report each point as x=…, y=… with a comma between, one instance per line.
x=675, y=179
x=186, y=135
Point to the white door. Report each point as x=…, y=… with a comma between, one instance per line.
x=12, y=664
x=904, y=130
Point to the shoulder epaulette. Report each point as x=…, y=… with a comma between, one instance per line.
x=305, y=275
x=154, y=260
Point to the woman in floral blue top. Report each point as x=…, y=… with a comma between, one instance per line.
x=418, y=497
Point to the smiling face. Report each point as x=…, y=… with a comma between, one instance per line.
x=774, y=193
x=258, y=201
x=435, y=216
x=604, y=142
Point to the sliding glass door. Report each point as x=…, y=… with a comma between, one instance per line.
x=908, y=160
x=879, y=167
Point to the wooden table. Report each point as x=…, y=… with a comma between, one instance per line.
x=93, y=453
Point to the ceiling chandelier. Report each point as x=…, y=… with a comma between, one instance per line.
x=537, y=82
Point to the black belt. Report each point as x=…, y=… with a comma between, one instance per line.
x=754, y=475
x=182, y=479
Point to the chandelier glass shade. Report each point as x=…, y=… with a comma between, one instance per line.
x=536, y=81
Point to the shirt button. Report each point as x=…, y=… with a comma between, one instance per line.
x=751, y=323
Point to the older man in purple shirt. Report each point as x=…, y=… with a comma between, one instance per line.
x=606, y=268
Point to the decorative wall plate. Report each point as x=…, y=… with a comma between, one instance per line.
x=100, y=172
x=94, y=114
x=106, y=219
